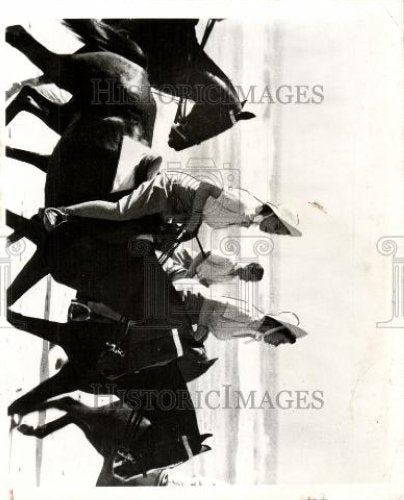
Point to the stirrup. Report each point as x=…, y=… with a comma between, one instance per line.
x=53, y=218
x=78, y=311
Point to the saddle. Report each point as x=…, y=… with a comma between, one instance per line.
x=144, y=346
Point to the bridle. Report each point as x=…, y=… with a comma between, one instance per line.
x=131, y=429
x=182, y=104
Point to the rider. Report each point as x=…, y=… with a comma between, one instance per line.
x=180, y=198
x=230, y=318
x=210, y=268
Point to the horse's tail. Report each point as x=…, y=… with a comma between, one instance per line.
x=100, y=36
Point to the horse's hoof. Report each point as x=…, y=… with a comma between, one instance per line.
x=15, y=422
x=14, y=33
x=27, y=430
x=13, y=410
x=59, y=363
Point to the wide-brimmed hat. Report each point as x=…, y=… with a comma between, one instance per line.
x=284, y=322
x=288, y=217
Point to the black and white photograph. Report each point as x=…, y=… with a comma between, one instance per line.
x=202, y=250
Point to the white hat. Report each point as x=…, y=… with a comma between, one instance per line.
x=285, y=320
x=288, y=217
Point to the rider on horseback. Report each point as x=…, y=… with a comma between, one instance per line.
x=180, y=198
x=231, y=318
x=210, y=268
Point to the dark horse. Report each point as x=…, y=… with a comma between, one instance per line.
x=103, y=261
x=85, y=343
x=142, y=432
x=177, y=65
x=84, y=163
x=127, y=277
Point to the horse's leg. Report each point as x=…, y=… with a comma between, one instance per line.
x=55, y=116
x=42, y=431
x=99, y=426
x=33, y=271
x=36, y=159
x=65, y=403
x=31, y=229
x=75, y=409
x=44, y=59
x=32, y=82
x=24, y=101
x=42, y=328
x=106, y=477
x=65, y=380
x=34, y=231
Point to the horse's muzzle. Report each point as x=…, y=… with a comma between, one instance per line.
x=178, y=140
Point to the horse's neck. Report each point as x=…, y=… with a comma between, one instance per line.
x=225, y=92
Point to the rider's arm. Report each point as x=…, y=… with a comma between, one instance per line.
x=193, y=265
x=201, y=333
x=204, y=191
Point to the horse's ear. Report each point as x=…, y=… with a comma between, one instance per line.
x=204, y=448
x=209, y=362
x=243, y=103
x=244, y=115
x=205, y=436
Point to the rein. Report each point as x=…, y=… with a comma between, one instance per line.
x=163, y=259
x=132, y=426
x=200, y=247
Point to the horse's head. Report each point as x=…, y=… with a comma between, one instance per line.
x=158, y=448
x=205, y=121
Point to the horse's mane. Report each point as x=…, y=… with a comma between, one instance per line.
x=102, y=37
